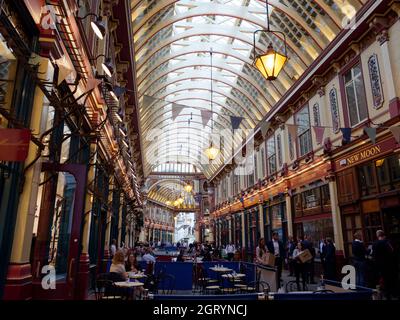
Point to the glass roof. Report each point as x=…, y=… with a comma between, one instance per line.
x=172, y=42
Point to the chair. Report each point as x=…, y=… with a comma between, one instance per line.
x=166, y=284
x=256, y=286
x=106, y=290
x=292, y=286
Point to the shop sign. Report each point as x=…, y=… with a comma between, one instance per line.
x=14, y=144
x=367, y=153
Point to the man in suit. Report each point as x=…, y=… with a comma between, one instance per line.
x=307, y=243
x=276, y=247
x=359, y=258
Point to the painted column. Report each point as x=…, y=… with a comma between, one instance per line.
x=121, y=206
x=84, y=261
x=289, y=215
x=230, y=229
x=19, y=279
x=336, y=218
x=261, y=220
x=107, y=242
x=243, y=230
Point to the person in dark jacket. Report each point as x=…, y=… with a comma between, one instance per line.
x=330, y=260
x=276, y=247
x=309, y=267
x=291, y=245
x=385, y=264
x=179, y=258
x=359, y=259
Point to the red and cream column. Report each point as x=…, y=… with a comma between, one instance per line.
x=84, y=259
x=19, y=279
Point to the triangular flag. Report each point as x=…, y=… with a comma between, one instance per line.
x=264, y=127
x=235, y=122
x=395, y=130
x=148, y=101
x=92, y=83
x=292, y=129
x=176, y=110
x=346, y=133
x=64, y=69
x=119, y=91
x=34, y=59
x=371, y=132
x=319, y=134
x=205, y=116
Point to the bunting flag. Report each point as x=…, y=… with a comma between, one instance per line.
x=92, y=83
x=119, y=91
x=292, y=129
x=205, y=116
x=34, y=59
x=148, y=101
x=176, y=110
x=371, y=132
x=235, y=122
x=395, y=130
x=346, y=133
x=319, y=134
x=264, y=127
x=64, y=69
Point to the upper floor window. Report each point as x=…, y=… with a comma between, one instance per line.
x=302, y=119
x=262, y=163
x=235, y=183
x=271, y=155
x=251, y=174
x=279, y=149
x=355, y=95
x=255, y=167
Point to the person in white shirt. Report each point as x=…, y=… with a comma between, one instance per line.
x=230, y=250
x=148, y=257
x=299, y=267
x=113, y=247
x=261, y=251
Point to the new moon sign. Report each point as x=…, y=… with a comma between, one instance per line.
x=14, y=144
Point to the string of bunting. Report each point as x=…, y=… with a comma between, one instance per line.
x=206, y=114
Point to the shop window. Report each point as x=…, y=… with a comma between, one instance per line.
x=325, y=196
x=372, y=223
x=271, y=156
x=351, y=225
x=311, y=198
x=302, y=119
x=318, y=229
x=388, y=173
x=276, y=218
x=355, y=95
x=367, y=180
x=297, y=205
x=8, y=67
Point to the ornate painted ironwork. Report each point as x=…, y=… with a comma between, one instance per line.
x=316, y=114
x=334, y=110
x=375, y=79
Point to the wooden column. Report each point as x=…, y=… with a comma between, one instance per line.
x=289, y=214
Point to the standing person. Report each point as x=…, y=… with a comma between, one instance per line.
x=230, y=250
x=148, y=257
x=290, y=249
x=275, y=246
x=330, y=260
x=359, y=259
x=308, y=244
x=322, y=245
x=385, y=264
x=113, y=247
x=299, y=267
x=261, y=251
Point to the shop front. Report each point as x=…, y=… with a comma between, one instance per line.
x=369, y=192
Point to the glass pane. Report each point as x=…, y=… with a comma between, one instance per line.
x=358, y=221
x=349, y=223
x=351, y=104
x=361, y=100
x=62, y=223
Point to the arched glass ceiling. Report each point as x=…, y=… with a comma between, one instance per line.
x=172, y=46
x=170, y=190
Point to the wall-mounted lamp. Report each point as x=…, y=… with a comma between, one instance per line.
x=98, y=25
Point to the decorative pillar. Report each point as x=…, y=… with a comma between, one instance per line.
x=261, y=220
x=230, y=229
x=19, y=278
x=107, y=242
x=289, y=214
x=121, y=206
x=243, y=230
x=336, y=218
x=84, y=259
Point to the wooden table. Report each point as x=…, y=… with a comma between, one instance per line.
x=235, y=276
x=124, y=284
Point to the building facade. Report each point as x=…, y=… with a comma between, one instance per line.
x=328, y=165
x=78, y=187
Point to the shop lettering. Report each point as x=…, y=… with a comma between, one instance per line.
x=364, y=155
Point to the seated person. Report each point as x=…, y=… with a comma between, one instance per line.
x=118, y=266
x=132, y=264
